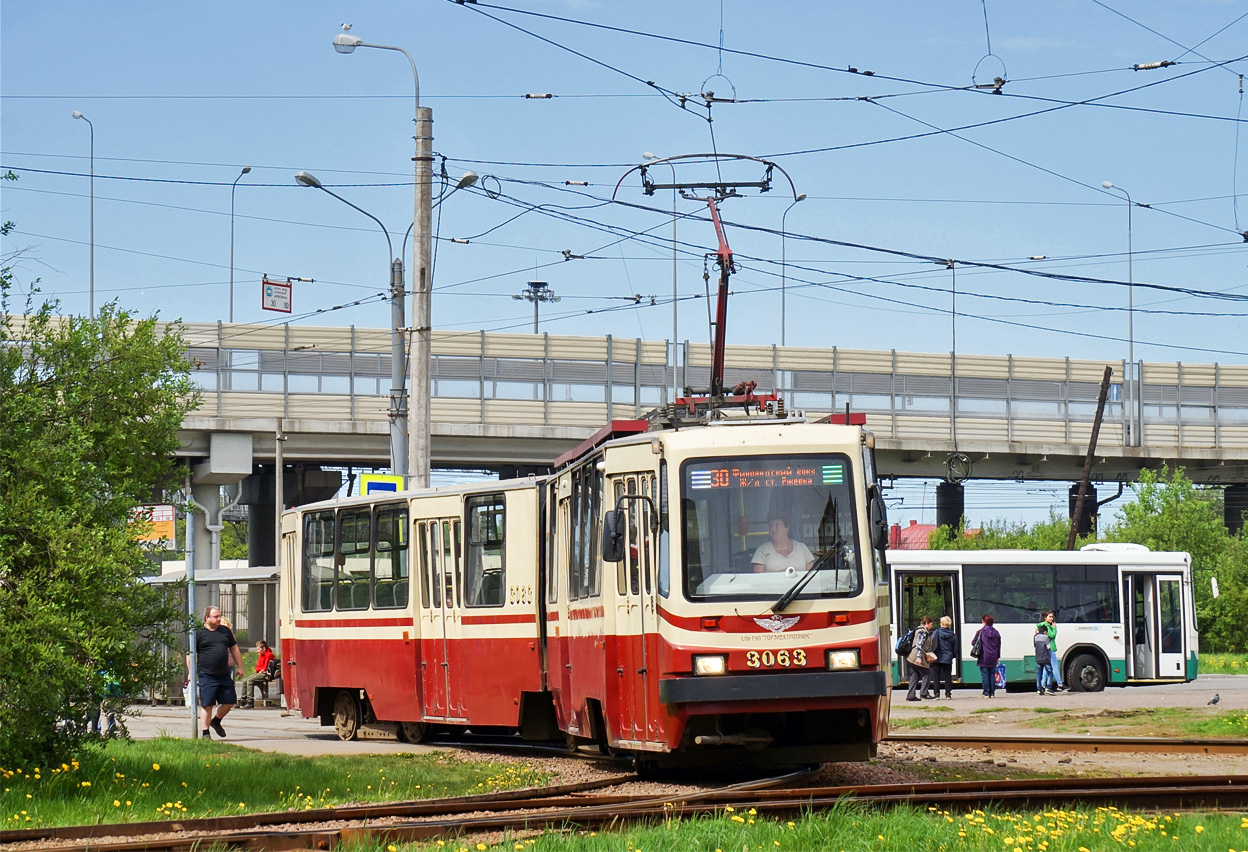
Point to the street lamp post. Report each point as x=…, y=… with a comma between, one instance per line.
x=783, y=267
x=233, y=186
x=647, y=155
x=1133, y=435
x=537, y=292
x=420, y=421
x=398, y=422
x=91, y=297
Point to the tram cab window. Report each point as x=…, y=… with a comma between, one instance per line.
x=584, y=557
x=485, y=569
x=754, y=526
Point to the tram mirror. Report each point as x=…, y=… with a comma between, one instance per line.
x=878, y=521
x=613, y=536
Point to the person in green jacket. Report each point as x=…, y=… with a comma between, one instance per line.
x=1049, y=625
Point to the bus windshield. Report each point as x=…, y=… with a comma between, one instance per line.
x=757, y=526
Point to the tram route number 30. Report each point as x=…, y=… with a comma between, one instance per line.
x=775, y=659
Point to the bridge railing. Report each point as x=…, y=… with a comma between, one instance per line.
x=329, y=373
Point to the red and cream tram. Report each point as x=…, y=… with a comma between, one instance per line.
x=712, y=594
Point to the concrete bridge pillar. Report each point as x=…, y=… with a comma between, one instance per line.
x=1086, y=524
x=301, y=484
x=950, y=504
x=1234, y=504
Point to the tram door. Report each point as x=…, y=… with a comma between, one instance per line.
x=290, y=580
x=441, y=664
x=1156, y=635
x=637, y=616
x=927, y=592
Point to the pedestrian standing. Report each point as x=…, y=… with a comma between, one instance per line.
x=945, y=646
x=919, y=661
x=1049, y=624
x=1044, y=671
x=989, y=642
x=218, y=653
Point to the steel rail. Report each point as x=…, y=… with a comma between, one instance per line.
x=1168, y=792
x=1134, y=745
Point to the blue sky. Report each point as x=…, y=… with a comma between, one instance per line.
x=900, y=167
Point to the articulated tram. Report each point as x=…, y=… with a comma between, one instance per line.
x=715, y=594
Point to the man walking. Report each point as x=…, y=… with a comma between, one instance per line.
x=217, y=650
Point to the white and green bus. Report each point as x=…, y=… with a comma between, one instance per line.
x=1124, y=613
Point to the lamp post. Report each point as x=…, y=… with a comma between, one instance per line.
x=398, y=422
x=1132, y=432
x=91, y=297
x=233, y=186
x=783, y=267
x=420, y=421
x=537, y=292
x=647, y=155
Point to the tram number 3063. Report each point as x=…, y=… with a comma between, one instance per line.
x=782, y=659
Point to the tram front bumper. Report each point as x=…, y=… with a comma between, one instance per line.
x=764, y=687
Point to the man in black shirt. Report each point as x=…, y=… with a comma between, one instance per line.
x=217, y=650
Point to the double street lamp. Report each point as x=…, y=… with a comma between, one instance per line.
x=91, y=297
x=1132, y=432
x=399, y=442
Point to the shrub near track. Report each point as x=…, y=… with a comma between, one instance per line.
x=167, y=778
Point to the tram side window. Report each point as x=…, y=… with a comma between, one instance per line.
x=355, y=544
x=390, y=565
x=318, y=562
x=485, y=572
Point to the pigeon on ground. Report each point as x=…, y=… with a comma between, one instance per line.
x=1216, y=698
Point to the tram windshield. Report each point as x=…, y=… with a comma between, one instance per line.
x=769, y=527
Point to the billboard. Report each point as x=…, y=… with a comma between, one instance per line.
x=163, y=529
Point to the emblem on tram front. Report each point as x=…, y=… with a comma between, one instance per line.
x=776, y=623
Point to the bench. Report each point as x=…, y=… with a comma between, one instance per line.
x=273, y=690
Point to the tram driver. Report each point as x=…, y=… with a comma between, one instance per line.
x=780, y=551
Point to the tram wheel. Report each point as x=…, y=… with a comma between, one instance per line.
x=346, y=715
x=413, y=732
x=1086, y=674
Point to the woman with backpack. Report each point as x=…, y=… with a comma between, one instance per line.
x=987, y=642
x=919, y=661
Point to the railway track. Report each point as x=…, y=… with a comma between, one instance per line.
x=578, y=806
x=1133, y=745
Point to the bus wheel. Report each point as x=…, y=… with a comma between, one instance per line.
x=412, y=732
x=346, y=715
x=1086, y=674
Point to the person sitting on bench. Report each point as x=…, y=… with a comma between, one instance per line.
x=267, y=668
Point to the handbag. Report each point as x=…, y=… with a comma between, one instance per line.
x=977, y=646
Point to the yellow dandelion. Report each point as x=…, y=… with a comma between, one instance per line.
x=116, y=803
x=86, y=783
x=482, y=847
x=1199, y=829
x=156, y=767
x=241, y=805
x=392, y=848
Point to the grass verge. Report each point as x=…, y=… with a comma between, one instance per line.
x=166, y=778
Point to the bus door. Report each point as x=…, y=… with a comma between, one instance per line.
x=1155, y=634
x=927, y=592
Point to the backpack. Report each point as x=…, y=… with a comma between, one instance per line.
x=906, y=643
x=273, y=670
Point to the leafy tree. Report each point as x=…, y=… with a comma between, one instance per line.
x=91, y=407
x=1000, y=534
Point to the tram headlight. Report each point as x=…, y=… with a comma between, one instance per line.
x=843, y=660
x=710, y=664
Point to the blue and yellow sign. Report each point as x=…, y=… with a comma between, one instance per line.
x=376, y=483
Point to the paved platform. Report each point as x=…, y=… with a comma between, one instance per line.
x=276, y=730
x=266, y=729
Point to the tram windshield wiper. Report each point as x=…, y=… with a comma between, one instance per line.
x=802, y=581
